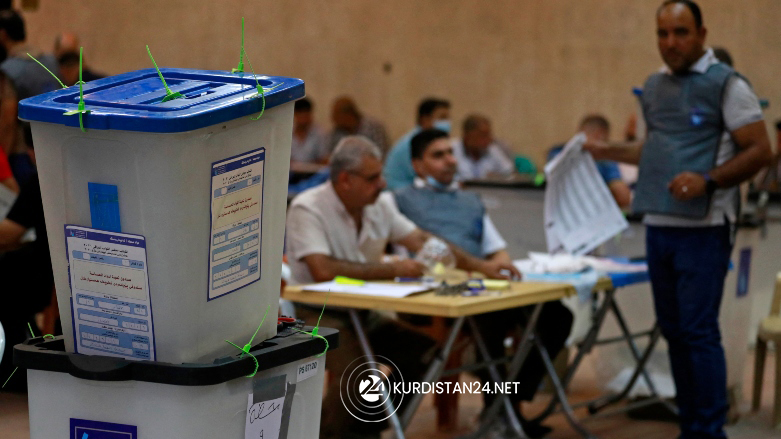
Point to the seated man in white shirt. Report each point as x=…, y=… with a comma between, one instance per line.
x=436, y=204
x=342, y=227
x=477, y=154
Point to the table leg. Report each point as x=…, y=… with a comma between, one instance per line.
x=584, y=347
x=560, y=392
x=367, y=351
x=434, y=371
x=524, y=347
x=515, y=424
x=601, y=403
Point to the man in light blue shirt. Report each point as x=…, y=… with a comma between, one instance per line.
x=432, y=113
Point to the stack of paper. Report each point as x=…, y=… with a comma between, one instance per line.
x=368, y=289
x=580, y=212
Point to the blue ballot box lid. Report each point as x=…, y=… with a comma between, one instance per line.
x=133, y=101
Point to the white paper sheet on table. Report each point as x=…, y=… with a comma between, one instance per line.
x=369, y=289
x=580, y=212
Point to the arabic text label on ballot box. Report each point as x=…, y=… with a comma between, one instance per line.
x=169, y=213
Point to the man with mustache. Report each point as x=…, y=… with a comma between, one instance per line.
x=705, y=136
x=342, y=228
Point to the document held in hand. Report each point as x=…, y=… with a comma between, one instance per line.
x=580, y=212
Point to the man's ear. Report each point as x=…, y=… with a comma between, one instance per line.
x=703, y=33
x=417, y=165
x=342, y=179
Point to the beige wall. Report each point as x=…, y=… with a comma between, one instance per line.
x=533, y=66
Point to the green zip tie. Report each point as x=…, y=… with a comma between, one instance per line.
x=240, y=68
x=44, y=67
x=169, y=95
x=248, y=346
x=246, y=352
x=81, y=110
x=9, y=378
x=315, y=330
x=29, y=326
x=314, y=334
x=260, y=88
x=317, y=325
x=539, y=179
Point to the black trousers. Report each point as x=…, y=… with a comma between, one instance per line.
x=553, y=328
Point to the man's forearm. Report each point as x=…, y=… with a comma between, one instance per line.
x=501, y=256
x=326, y=268
x=464, y=260
x=742, y=167
x=624, y=152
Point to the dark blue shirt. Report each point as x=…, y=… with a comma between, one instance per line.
x=607, y=169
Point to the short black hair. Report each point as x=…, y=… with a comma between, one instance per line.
x=13, y=25
x=473, y=122
x=302, y=104
x=595, y=120
x=723, y=55
x=693, y=7
x=428, y=106
x=68, y=59
x=422, y=140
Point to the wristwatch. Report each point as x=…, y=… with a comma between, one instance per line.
x=710, y=184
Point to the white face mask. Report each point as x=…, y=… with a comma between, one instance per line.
x=442, y=124
x=434, y=183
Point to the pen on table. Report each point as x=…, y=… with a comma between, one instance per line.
x=407, y=279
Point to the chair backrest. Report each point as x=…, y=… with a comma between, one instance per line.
x=775, y=307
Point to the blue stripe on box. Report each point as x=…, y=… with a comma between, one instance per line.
x=104, y=207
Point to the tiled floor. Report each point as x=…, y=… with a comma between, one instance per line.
x=14, y=423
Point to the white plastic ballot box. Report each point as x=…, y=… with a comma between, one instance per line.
x=165, y=217
x=72, y=396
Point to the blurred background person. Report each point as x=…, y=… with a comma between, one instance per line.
x=597, y=128
x=66, y=50
x=308, y=139
x=477, y=154
x=432, y=113
x=348, y=121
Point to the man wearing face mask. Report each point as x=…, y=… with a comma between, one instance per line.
x=432, y=113
x=706, y=135
x=436, y=204
x=477, y=154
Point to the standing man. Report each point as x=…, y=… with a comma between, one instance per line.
x=705, y=136
x=432, y=113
